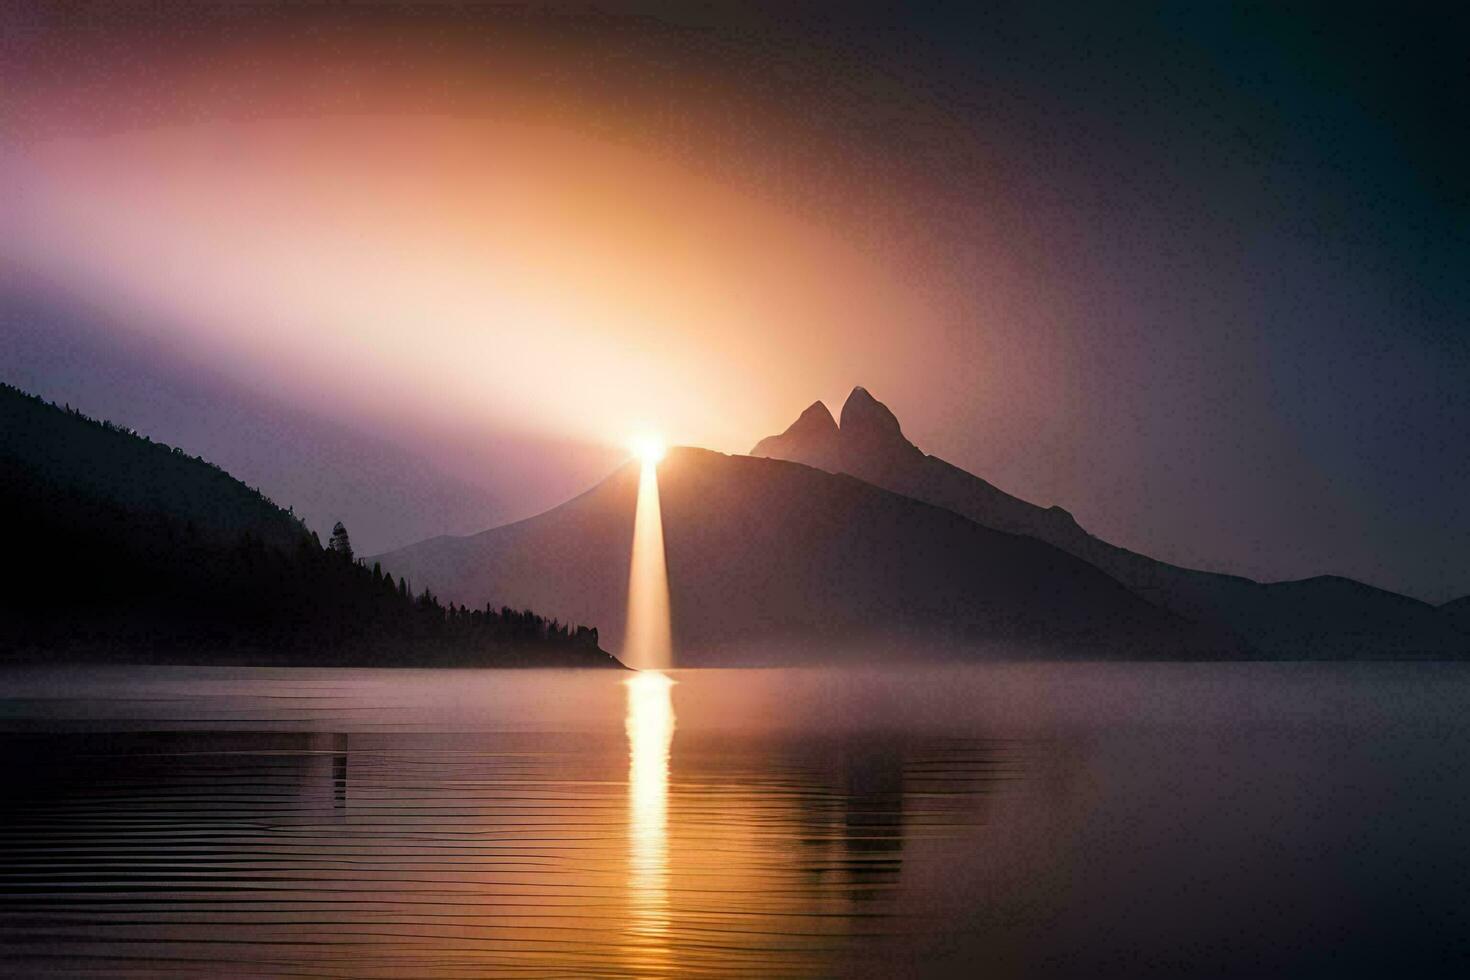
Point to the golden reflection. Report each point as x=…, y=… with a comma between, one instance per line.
x=648, y=643
x=650, y=727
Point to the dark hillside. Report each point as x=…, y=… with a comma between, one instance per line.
x=127, y=549
x=1327, y=617
x=773, y=562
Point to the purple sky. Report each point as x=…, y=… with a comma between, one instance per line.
x=1197, y=275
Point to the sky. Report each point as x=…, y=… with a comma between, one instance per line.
x=1196, y=273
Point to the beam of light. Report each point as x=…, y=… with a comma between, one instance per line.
x=648, y=643
x=650, y=725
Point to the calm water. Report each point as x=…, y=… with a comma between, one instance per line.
x=1028, y=820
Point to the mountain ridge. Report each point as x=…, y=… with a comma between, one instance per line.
x=1306, y=617
x=134, y=551
x=771, y=561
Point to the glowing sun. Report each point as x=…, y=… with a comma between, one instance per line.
x=648, y=448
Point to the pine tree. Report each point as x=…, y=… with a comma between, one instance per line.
x=340, y=542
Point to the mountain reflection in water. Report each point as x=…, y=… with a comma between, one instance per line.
x=420, y=853
x=1023, y=820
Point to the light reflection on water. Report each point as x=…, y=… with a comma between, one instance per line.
x=1052, y=820
x=650, y=736
x=443, y=824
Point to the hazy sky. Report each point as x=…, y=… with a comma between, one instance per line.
x=1197, y=273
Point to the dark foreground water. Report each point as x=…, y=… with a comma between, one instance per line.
x=1039, y=820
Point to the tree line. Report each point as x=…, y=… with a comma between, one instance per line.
x=127, y=549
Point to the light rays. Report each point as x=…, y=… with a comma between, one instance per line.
x=648, y=643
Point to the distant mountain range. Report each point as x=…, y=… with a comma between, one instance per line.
x=846, y=541
x=1326, y=617
x=773, y=562
x=126, y=549
x=830, y=542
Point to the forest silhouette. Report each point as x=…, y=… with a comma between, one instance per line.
x=125, y=549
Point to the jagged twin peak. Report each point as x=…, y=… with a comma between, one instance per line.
x=867, y=428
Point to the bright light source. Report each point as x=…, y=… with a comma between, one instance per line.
x=648, y=448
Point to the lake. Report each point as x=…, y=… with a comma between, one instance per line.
x=1048, y=820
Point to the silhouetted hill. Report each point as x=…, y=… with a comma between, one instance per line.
x=1457, y=611
x=126, y=549
x=388, y=492
x=771, y=561
x=1325, y=617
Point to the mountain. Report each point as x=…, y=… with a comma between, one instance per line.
x=1326, y=617
x=1458, y=612
x=771, y=561
x=121, y=548
x=392, y=484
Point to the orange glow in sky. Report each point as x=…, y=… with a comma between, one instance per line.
x=504, y=238
x=648, y=448
x=432, y=272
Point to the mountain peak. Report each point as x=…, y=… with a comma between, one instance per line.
x=867, y=428
x=816, y=419
x=813, y=435
x=868, y=423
